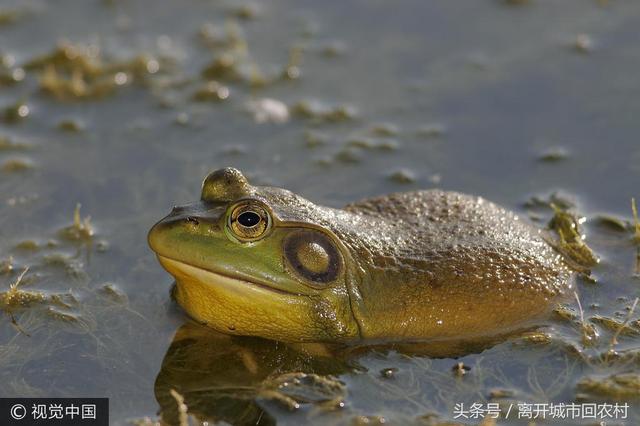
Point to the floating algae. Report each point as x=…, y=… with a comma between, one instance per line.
x=560, y=199
x=233, y=63
x=293, y=389
x=247, y=11
x=373, y=143
x=73, y=72
x=71, y=126
x=16, y=297
x=636, y=234
x=571, y=241
x=9, y=16
x=612, y=223
x=6, y=265
x=403, y=176
x=211, y=91
x=636, y=221
x=554, y=154
x=384, y=129
x=615, y=386
x=10, y=144
x=81, y=229
x=583, y=43
x=621, y=327
x=588, y=331
x=16, y=165
x=16, y=112
x=631, y=328
x=320, y=112
x=292, y=68
x=10, y=75
x=314, y=139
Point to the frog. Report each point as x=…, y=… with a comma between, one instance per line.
x=417, y=266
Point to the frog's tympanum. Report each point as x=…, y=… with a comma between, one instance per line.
x=414, y=266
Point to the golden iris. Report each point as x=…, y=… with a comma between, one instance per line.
x=249, y=221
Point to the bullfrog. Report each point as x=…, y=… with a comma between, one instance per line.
x=419, y=266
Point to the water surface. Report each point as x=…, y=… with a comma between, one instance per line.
x=467, y=96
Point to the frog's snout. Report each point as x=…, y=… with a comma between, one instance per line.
x=190, y=219
x=158, y=233
x=155, y=236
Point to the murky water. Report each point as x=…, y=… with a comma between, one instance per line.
x=486, y=97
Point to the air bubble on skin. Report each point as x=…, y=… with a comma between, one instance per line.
x=439, y=322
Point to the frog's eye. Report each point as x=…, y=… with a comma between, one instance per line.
x=313, y=256
x=249, y=221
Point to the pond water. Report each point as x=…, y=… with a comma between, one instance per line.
x=124, y=107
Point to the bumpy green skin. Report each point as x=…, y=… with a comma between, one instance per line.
x=424, y=265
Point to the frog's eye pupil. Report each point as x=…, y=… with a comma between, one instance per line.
x=249, y=219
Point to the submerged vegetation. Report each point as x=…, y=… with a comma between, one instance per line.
x=57, y=305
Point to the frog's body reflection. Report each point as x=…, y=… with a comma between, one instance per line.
x=221, y=376
x=228, y=378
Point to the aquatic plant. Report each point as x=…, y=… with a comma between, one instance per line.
x=571, y=241
x=80, y=229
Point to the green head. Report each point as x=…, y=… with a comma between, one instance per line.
x=257, y=261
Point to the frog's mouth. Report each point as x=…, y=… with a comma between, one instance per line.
x=185, y=272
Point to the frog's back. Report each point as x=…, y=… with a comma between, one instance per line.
x=439, y=264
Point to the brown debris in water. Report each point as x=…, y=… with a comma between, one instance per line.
x=73, y=72
x=589, y=332
x=611, y=223
x=15, y=297
x=16, y=165
x=571, y=241
x=615, y=386
x=614, y=339
x=583, y=43
x=6, y=265
x=636, y=221
x=10, y=16
x=321, y=112
x=460, y=369
x=211, y=91
x=296, y=388
x=16, y=112
x=10, y=144
x=81, y=229
x=71, y=125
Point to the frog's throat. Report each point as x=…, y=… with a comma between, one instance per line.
x=236, y=306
